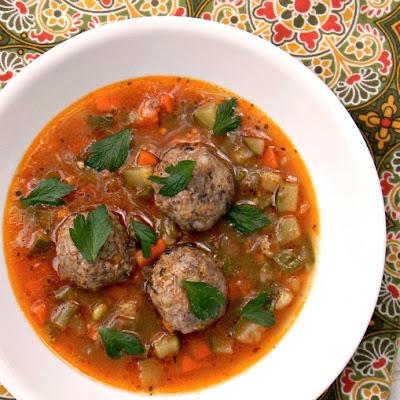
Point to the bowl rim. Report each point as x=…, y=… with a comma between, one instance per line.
x=230, y=33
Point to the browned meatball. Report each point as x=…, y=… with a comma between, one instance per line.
x=208, y=194
x=112, y=265
x=164, y=288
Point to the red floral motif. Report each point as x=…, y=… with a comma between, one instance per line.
x=347, y=381
x=303, y=20
x=385, y=184
x=180, y=12
x=386, y=61
x=41, y=37
x=30, y=57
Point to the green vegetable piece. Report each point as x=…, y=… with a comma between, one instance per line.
x=99, y=311
x=40, y=242
x=115, y=343
x=206, y=114
x=49, y=191
x=255, y=311
x=179, y=177
x=63, y=314
x=225, y=120
x=205, y=300
x=247, y=218
x=89, y=234
x=167, y=346
x=221, y=345
x=110, y=153
x=101, y=121
x=138, y=177
x=146, y=237
x=64, y=293
x=151, y=372
x=287, y=229
x=287, y=197
x=288, y=260
x=256, y=145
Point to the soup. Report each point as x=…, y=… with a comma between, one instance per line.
x=159, y=234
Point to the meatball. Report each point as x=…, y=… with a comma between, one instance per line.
x=112, y=265
x=166, y=293
x=208, y=194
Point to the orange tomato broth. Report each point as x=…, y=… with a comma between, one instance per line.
x=34, y=279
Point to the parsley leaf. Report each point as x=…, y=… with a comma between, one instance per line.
x=101, y=121
x=178, y=179
x=247, y=218
x=49, y=191
x=90, y=234
x=205, y=300
x=255, y=311
x=110, y=153
x=146, y=237
x=117, y=342
x=225, y=120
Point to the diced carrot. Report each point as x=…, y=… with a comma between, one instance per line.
x=167, y=103
x=167, y=326
x=107, y=103
x=188, y=364
x=233, y=290
x=40, y=311
x=62, y=212
x=200, y=350
x=259, y=257
x=270, y=158
x=156, y=251
x=146, y=158
x=92, y=332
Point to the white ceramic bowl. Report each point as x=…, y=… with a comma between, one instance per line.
x=352, y=241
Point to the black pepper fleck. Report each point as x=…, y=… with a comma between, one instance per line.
x=18, y=193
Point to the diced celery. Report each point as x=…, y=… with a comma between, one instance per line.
x=221, y=345
x=288, y=260
x=249, y=333
x=151, y=372
x=166, y=346
x=256, y=145
x=205, y=114
x=270, y=181
x=99, y=311
x=285, y=297
x=40, y=242
x=287, y=229
x=137, y=177
x=242, y=154
x=64, y=293
x=287, y=197
x=62, y=315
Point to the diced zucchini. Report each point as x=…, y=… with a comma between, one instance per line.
x=40, y=242
x=287, y=229
x=166, y=346
x=137, y=177
x=249, y=332
x=270, y=181
x=99, y=311
x=288, y=260
x=205, y=114
x=168, y=230
x=151, y=372
x=285, y=297
x=62, y=315
x=287, y=197
x=64, y=293
x=256, y=145
x=221, y=345
x=307, y=251
x=128, y=309
x=242, y=154
x=264, y=201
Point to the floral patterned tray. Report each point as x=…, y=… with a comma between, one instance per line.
x=352, y=45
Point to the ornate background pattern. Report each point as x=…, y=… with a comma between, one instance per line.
x=352, y=45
